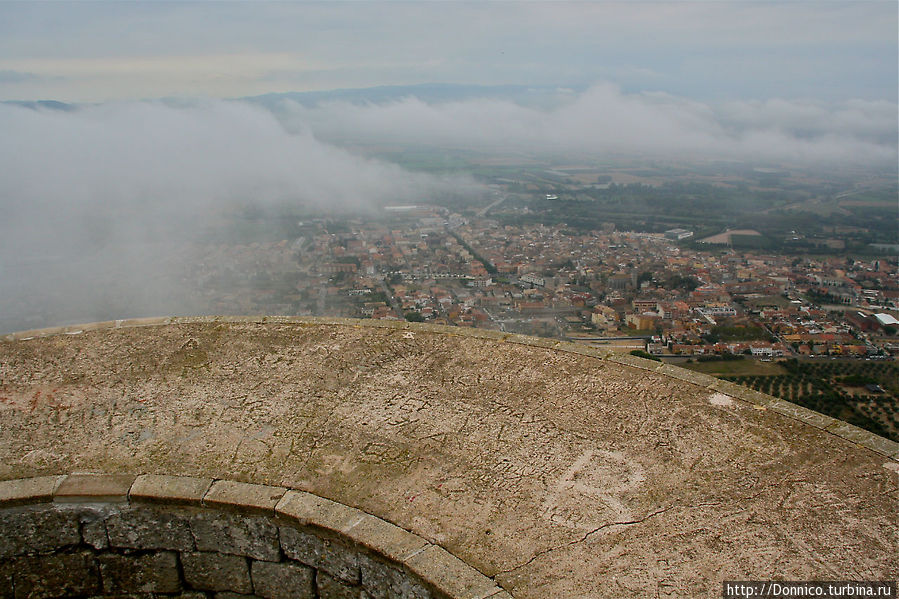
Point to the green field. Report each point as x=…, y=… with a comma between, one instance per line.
x=735, y=367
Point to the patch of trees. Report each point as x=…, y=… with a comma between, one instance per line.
x=642, y=354
x=348, y=260
x=677, y=281
x=721, y=358
x=858, y=380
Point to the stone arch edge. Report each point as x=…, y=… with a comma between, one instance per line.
x=433, y=565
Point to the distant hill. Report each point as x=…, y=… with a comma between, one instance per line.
x=427, y=92
x=540, y=96
x=36, y=104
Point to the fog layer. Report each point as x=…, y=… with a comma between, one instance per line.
x=100, y=204
x=604, y=119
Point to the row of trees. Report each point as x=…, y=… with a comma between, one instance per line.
x=819, y=394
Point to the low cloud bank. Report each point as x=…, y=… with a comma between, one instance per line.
x=604, y=119
x=98, y=202
x=154, y=157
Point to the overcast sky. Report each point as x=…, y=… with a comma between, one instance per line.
x=712, y=51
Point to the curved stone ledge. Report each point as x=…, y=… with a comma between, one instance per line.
x=838, y=428
x=101, y=534
x=552, y=469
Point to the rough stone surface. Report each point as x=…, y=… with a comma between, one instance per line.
x=56, y=576
x=252, y=536
x=559, y=473
x=229, y=493
x=332, y=588
x=386, y=582
x=447, y=572
x=849, y=431
x=37, y=531
x=312, y=550
x=217, y=572
x=6, y=588
x=29, y=490
x=179, y=490
x=95, y=487
x=306, y=507
x=282, y=581
x=384, y=538
x=151, y=573
x=148, y=528
x=93, y=530
x=139, y=563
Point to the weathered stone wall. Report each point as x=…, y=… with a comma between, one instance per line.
x=98, y=536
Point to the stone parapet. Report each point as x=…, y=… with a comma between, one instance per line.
x=843, y=430
x=186, y=537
